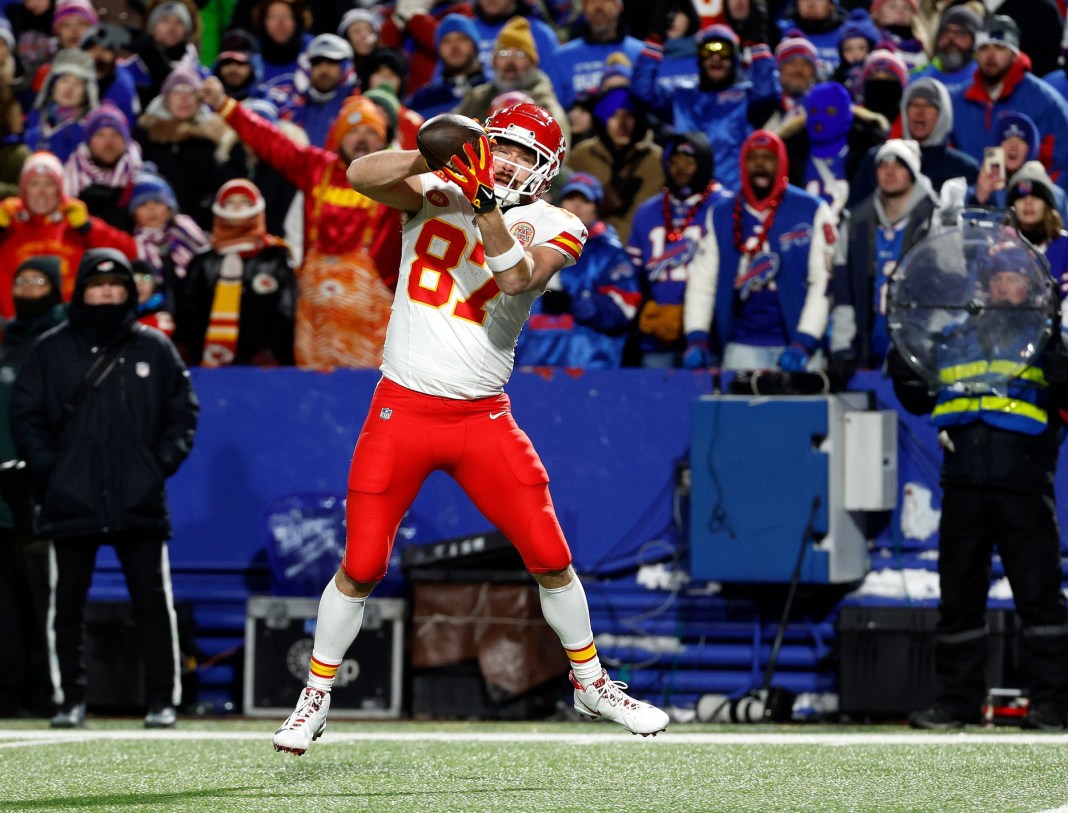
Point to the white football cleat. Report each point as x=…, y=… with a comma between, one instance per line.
x=305, y=724
x=605, y=698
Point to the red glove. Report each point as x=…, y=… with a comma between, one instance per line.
x=475, y=177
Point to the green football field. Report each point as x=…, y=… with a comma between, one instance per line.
x=223, y=766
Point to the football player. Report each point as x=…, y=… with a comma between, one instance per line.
x=478, y=247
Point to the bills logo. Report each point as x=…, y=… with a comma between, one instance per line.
x=437, y=198
x=523, y=233
x=799, y=235
x=676, y=255
x=761, y=272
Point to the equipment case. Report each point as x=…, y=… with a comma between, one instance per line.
x=278, y=644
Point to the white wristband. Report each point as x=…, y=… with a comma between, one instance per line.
x=502, y=262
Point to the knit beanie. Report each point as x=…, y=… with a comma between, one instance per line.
x=1020, y=125
x=905, y=150
x=1031, y=179
x=107, y=115
x=963, y=17
x=516, y=36
x=999, y=30
x=356, y=112
x=74, y=8
x=882, y=60
x=171, y=9
x=456, y=22
x=238, y=189
x=859, y=26
x=182, y=75
x=42, y=163
x=148, y=187
x=359, y=15
x=387, y=101
x=717, y=32
x=794, y=44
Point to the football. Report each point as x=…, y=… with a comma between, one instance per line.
x=443, y=136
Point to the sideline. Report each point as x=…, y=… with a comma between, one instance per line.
x=25, y=738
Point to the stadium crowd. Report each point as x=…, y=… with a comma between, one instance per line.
x=748, y=171
x=791, y=150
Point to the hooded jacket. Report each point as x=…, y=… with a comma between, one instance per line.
x=103, y=469
x=975, y=116
x=938, y=160
x=796, y=250
x=18, y=338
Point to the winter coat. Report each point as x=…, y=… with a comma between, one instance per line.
x=629, y=177
x=476, y=103
x=975, y=117
x=30, y=235
x=104, y=469
x=268, y=304
x=195, y=157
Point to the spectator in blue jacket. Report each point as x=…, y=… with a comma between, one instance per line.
x=581, y=320
x=323, y=82
x=953, y=63
x=581, y=60
x=1018, y=136
x=665, y=233
x=760, y=275
x=858, y=37
x=456, y=42
x=725, y=105
x=56, y=123
x=820, y=22
x=1002, y=83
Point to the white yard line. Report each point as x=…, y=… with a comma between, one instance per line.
x=23, y=737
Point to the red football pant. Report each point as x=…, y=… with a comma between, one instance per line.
x=408, y=435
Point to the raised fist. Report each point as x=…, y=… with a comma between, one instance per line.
x=212, y=93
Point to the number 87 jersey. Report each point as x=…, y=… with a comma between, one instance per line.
x=451, y=331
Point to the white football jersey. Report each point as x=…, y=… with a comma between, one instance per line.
x=452, y=332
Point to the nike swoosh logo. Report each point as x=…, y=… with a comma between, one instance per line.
x=495, y=415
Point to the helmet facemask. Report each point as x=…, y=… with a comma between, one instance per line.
x=531, y=127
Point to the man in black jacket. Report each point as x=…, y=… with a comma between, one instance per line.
x=103, y=412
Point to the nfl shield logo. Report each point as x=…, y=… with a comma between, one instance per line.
x=386, y=413
x=141, y=369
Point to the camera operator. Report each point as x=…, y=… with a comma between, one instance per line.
x=999, y=457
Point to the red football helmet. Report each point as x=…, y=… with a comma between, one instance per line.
x=532, y=127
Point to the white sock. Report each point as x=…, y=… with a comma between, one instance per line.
x=566, y=611
x=336, y=627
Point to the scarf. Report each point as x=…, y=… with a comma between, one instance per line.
x=235, y=240
x=178, y=241
x=82, y=171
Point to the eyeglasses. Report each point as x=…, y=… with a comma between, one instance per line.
x=145, y=278
x=718, y=48
x=39, y=282
x=508, y=54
